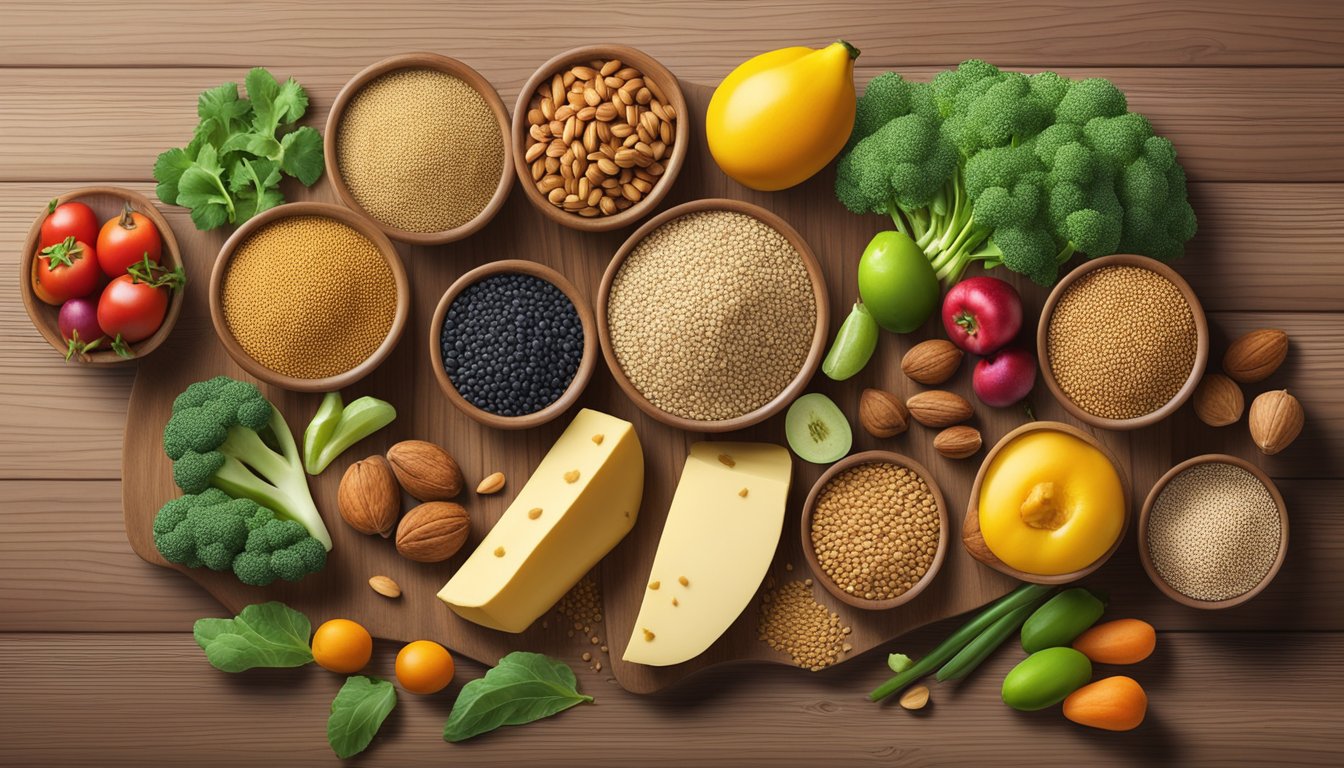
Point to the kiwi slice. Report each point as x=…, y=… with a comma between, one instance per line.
x=817, y=430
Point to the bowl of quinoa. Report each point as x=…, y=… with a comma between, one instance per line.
x=713, y=315
x=1122, y=342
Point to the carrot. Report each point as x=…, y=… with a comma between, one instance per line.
x=1123, y=641
x=1112, y=704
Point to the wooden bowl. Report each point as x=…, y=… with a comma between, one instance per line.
x=1146, y=558
x=652, y=70
x=107, y=203
x=790, y=392
x=587, y=362
x=361, y=224
x=809, y=507
x=419, y=61
x=970, y=527
x=1201, y=342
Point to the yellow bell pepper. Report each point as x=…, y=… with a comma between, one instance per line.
x=782, y=116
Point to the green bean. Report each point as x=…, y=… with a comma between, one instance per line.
x=1023, y=595
x=976, y=651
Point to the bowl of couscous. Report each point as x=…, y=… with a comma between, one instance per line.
x=310, y=297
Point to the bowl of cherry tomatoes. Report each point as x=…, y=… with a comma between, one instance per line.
x=102, y=275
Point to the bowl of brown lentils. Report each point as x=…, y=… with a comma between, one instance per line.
x=1122, y=342
x=599, y=135
x=874, y=529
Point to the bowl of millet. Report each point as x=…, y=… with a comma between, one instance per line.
x=513, y=344
x=1122, y=342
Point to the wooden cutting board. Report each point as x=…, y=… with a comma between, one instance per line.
x=407, y=381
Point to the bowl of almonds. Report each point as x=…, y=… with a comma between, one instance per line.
x=599, y=134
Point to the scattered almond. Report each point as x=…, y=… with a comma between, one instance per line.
x=939, y=408
x=882, y=414
x=368, y=498
x=385, y=586
x=433, y=531
x=1276, y=421
x=932, y=362
x=425, y=470
x=957, y=442
x=1256, y=356
x=915, y=698
x=1218, y=400
x=493, y=483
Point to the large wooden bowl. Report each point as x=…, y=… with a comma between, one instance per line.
x=576, y=385
x=1146, y=558
x=652, y=70
x=361, y=224
x=107, y=203
x=970, y=527
x=810, y=506
x=799, y=382
x=462, y=72
x=1201, y=342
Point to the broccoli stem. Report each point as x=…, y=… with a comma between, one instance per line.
x=277, y=481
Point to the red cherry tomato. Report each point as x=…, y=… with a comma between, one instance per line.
x=127, y=240
x=41, y=293
x=68, y=270
x=72, y=219
x=133, y=306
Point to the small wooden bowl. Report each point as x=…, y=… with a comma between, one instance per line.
x=587, y=362
x=809, y=508
x=651, y=69
x=1201, y=342
x=106, y=202
x=970, y=527
x=790, y=392
x=419, y=61
x=361, y=224
x=1146, y=558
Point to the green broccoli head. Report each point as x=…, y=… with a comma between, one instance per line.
x=885, y=98
x=278, y=549
x=906, y=162
x=1028, y=251
x=1158, y=219
x=1088, y=99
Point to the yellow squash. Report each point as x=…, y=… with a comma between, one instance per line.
x=782, y=116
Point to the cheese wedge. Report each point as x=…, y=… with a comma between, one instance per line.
x=579, y=503
x=720, y=536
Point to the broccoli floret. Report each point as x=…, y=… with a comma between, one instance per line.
x=214, y=531
x=224, y=434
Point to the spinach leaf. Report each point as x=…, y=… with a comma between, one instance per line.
x=263, y=635
x=522, y=688
x=358, y=712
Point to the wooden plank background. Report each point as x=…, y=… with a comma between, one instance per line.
x=95, y=646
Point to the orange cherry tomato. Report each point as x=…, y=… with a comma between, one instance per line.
x=126, y=240
x=342, y=646
x=424, y=667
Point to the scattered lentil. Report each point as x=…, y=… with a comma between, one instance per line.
x=712, y=315
x=875, y=530
x=1214, y=532
x=793, y=621
x=1122, y=342
x=420, y=150
x=583, y=605
x=308, y=297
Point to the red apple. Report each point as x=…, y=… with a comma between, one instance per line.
x=982, y=314
x=1004, y=377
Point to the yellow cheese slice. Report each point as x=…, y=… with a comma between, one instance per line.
x=720, y=536
x=579, y=503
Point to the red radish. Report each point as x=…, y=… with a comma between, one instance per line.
x=1005, y=377
x=78, y=321
x=71, y=219
x=982, y=314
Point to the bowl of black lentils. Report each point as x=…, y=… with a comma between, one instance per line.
x=513, y=344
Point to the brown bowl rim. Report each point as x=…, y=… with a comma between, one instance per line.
x=419, y=60
x=359, y=223
x=39, y=310
x=587, y=362
x=1146, y=559
x=810, y=364
x=971, y=525
x=1201, y=341
x=809, y=508
x=649, y=67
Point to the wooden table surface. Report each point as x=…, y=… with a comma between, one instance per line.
x=96, y=655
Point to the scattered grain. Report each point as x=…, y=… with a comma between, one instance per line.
x=793, y=621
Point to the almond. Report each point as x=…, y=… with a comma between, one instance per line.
x=939, y=408
x=882, y=414
x=1218, y=400
x=425, y=470
x=915, y=698
x=957, y=442
x=1276, y=421
x=932, y=362
x=433, y=531
x=368, y=498
x=1256, y=356
x=385, y=586
x=493, y=483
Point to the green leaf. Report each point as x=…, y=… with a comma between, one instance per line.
x=168, y=170
x=290, y=102
x=201, y=188
x=253, y=144
x=223, y=104
x=254, y=184
x=522, y=688
x=301, y=155
x=263, y=635
x=357, y=713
